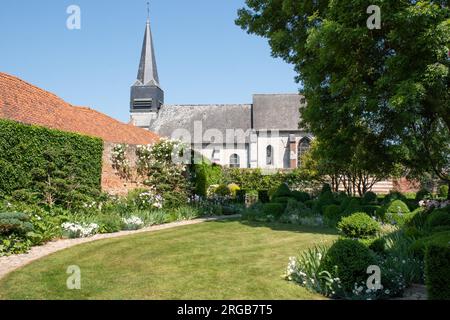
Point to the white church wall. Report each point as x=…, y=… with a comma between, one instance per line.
x=220, y=154
x=280, y=151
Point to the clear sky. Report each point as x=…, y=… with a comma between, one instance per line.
x=203, y=57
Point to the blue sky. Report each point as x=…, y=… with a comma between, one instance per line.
x=203, y=57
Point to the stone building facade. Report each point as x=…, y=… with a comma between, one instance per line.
x=263, y=134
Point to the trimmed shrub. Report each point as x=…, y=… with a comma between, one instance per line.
x=324, y=199
x=348, y=260
x=437, y=271
x=283, y=200
x=378, y=245
x=394, y=195
x=204, y=175
x=396, y=213
x=301, y=196
x=332, y=215
x=359, y=225
x=274, y=209
x=369, y=198
x=282, y=191
x=422, y=194
x=419, y=246
x=438, y=218
x=263, y=196
x=31, y=155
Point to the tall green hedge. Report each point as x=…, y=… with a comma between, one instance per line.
x=28, y=154
x=437, y=269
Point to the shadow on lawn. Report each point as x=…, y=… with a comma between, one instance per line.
x=276, y=226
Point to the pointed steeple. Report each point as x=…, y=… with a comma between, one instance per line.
x=148, y=71
x=146, y=96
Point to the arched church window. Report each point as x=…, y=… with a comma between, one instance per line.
x=269, y=155
x=235, y=161
x=303, y=147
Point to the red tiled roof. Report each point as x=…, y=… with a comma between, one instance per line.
x=23, y=102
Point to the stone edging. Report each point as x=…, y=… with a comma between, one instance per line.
x=14, y=262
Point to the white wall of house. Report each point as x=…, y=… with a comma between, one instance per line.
x=223, y=154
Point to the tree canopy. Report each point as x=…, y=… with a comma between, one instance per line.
x=380, y=94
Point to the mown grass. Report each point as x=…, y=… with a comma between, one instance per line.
x=214, y=260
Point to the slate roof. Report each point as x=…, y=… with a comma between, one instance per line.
x=277, y=111
x=23, y=102
x=268, y=112
x=218, y=117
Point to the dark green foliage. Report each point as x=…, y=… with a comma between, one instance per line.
x=359, y=225
x=348, y=260
x=17, y=223
x=240, y=195
x=369, y=198
x=418, y=247
x=422, y=194
x=263, y=196
x=417, y=218
x=353, y=206
x=437, y=271
x=439, y=218
x=274, y=209
x=60, y=167
x=378, y=245
x=109, y=223
x=326, y=188
x=324, y=199
x=282, y=200
x=394, y=195
x=332, y=215
x=282, y=191
x=301, y=196
x=371, y=210
x=205, y=175
x=222, y=190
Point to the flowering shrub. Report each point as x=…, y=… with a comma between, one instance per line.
x=120, y=162
x=82, y=230
x=132, y=223
x=159, y=165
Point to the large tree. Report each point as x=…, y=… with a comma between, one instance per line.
x=388, y=87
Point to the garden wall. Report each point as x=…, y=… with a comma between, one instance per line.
x=112, y=183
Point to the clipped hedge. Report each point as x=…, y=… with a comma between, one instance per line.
x=437, y=271
x=439, y=218
x=274, y=209
x=30, y=151
x=204, y=175
x=359, y=225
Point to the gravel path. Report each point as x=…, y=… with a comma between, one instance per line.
x=11, y=263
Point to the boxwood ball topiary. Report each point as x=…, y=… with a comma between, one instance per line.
x=359, y=225
x=348, y=260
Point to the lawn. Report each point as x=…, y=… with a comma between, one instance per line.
x=213, y=260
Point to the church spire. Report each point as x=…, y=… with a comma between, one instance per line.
x=148, y=71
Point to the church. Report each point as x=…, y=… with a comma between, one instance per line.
x=262, y=134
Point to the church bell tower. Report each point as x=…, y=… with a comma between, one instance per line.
x=147, y=97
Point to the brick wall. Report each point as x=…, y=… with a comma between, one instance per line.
x=112, y=183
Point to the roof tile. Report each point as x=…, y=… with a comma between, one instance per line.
x=23, y=102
